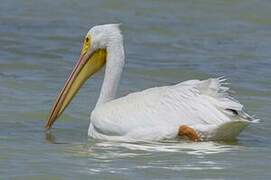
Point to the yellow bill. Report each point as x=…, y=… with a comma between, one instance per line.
x=89, y=63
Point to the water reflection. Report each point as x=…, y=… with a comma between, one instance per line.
x=198, y=148
x=113, y=149
x=110, y=150
x=151, y=156
x=51, y=139
x=100, y=157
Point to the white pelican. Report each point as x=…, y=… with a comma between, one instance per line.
x=196, y=109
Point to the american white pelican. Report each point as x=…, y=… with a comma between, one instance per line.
x=195, y=109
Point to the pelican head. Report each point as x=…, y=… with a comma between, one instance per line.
x=97, y=45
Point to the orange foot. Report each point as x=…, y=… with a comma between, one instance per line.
x=188, y=132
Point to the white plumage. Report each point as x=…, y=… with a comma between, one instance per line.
x=156, y=113
x=153, y=114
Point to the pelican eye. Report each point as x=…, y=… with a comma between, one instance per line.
x=87, y=39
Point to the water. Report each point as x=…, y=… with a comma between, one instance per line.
x=166, y=42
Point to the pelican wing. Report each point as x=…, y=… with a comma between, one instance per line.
x=157, y=113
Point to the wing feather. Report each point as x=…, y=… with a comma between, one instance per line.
x=194, y=102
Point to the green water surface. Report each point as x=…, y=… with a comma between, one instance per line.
x=166, y=42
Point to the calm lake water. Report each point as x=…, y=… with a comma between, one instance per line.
x=166, y=42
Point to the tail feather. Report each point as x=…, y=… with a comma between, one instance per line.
x=215, y=88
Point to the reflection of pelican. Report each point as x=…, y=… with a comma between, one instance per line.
x=50, y=138
x=198, y=110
